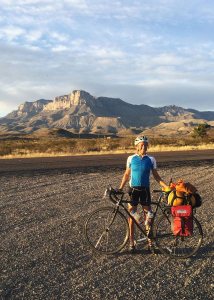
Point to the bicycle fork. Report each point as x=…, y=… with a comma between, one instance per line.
x=106, y=230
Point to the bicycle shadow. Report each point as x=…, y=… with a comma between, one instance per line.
x=139, y=251
x=205, y=251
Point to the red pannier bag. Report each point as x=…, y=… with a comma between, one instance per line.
x=182, y=220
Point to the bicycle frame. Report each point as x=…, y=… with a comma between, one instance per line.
x=119, y=202
x=106, y=229
x=163, y=207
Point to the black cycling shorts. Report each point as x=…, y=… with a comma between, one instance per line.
x=139, y=194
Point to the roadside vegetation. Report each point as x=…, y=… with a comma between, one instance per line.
x=12, y=147
x=201, y=131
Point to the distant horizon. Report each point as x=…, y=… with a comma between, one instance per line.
x=153, y=52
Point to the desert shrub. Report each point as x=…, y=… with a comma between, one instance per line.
x=163, y=141
x=5, y=150
x=112, y=144
x=79, y=145
x=201, y=130
x=127, y=142
x=86, y=145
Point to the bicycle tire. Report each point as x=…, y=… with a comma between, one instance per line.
x=105, y=231
x=177, y=246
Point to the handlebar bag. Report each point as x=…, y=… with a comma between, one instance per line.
x=182, y=220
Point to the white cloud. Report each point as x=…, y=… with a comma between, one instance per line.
x=11, y=33
x=49, y=47
x=6, y=108
x=60, y=48
x=79, y=4
x=101, y=52
x=167, y=59
x=34, y=35
x=59, y=36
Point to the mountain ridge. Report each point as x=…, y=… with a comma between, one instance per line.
x=80, y=112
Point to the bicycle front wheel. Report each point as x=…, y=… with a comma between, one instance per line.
x=177, y=246
x=106, y=230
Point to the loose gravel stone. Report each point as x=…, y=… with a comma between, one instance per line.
x=43, y=254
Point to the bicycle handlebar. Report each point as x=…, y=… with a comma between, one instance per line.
x=114, y=193
x=110, y=190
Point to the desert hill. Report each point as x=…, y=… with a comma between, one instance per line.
x=177, y=128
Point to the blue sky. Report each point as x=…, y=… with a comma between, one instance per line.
x=144, y=52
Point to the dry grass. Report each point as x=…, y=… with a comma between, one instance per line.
x=27, y=147
x=156, y=148
x=159, y=148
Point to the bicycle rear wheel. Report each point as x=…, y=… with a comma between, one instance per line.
x=106, y=230
x=177, y=246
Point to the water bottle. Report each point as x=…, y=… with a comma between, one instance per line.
x=149, y=217
x=136, y=216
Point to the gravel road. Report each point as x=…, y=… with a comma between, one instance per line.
x=43, y=254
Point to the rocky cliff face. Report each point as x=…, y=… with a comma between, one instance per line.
x=76, y=98
x=36, y=106
x=81, y=112
x=29, y=109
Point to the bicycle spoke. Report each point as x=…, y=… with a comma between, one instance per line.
x=177, y=246
x=99, y=239
x=106, y=230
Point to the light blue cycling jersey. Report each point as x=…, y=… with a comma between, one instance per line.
x=140, y=169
